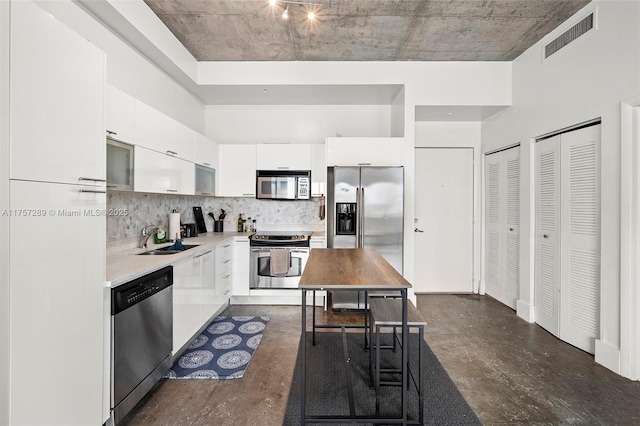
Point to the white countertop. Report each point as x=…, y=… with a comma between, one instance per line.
x=124, y=264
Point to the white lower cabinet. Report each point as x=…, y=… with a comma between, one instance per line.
x=57, y=304
x=241, y=260
x=209, y=301
x=317, y=242
x=161, y=173
x=224, y=271
x=201, y=290
x=186, y=301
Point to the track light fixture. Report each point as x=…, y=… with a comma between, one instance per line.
x=311, y=10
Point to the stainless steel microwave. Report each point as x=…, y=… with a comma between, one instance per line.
x=283, y=184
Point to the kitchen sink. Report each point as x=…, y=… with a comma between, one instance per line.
x=168, y=250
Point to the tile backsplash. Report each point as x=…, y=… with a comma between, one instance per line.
x=153, y=209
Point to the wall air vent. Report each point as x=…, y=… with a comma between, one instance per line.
x=568, y=36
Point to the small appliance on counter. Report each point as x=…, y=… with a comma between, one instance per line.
x=190, y=230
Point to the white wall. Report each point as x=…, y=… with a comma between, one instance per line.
x=585, y=80
x=130, y=71
x=294, y=123
x=397, y=115
x=451, y=133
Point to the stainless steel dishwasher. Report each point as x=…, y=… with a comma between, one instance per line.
x=141, y=338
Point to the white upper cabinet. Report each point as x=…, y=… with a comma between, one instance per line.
x=163, y=174
x=365, y=151
x=57, y=101
x=119, y=115
x=318, y=169
x=206, y=151
x=159, y=132
x=237, y=170
x=283, y=157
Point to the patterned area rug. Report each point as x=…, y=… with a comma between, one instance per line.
x=222, y=351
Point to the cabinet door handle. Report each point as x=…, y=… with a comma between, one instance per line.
x=92, y=191
x=172, y=190
x=545, y=236
x=248, y=194
x=197, y=256
x=228, y=245
x=92, y=179
x=227, y=261
x=283, y=168
x=172, y=152
x=110, y=132
x=364, y=164
x=207, y=164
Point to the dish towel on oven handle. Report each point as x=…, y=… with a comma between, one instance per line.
x=280, y=261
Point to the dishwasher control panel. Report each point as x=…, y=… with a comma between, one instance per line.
x=133, y=292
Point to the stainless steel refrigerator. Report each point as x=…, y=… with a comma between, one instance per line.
x=365, y=209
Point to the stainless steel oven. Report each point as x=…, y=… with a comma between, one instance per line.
x=265, y=246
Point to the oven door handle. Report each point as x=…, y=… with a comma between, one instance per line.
x=268, y=250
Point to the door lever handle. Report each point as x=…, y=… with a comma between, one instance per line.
x=418, y=230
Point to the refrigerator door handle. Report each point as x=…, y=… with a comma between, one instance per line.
x=362, y=217
x=357, y=217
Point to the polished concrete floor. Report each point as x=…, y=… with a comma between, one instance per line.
x=509, y=371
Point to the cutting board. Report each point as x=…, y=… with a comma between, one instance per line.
x=197, y=213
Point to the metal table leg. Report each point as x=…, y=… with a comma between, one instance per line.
x=405, y=356
x=313, y=319
x=303, y=359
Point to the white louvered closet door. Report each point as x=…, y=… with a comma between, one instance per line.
x=512, y=227
x=493, y=225
x=580, y=241
x=502, y=226
x=547, y=234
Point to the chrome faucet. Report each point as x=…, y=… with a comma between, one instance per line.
x=146, y=233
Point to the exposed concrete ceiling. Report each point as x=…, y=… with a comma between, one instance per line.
x=362, y=30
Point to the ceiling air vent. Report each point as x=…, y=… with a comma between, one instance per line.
x=568, y=36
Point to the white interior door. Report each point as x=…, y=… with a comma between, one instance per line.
x=547, y=233
x=444, y=220
x=580, y=277
x=502, y=225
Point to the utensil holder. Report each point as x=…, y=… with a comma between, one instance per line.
x=218, y=226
